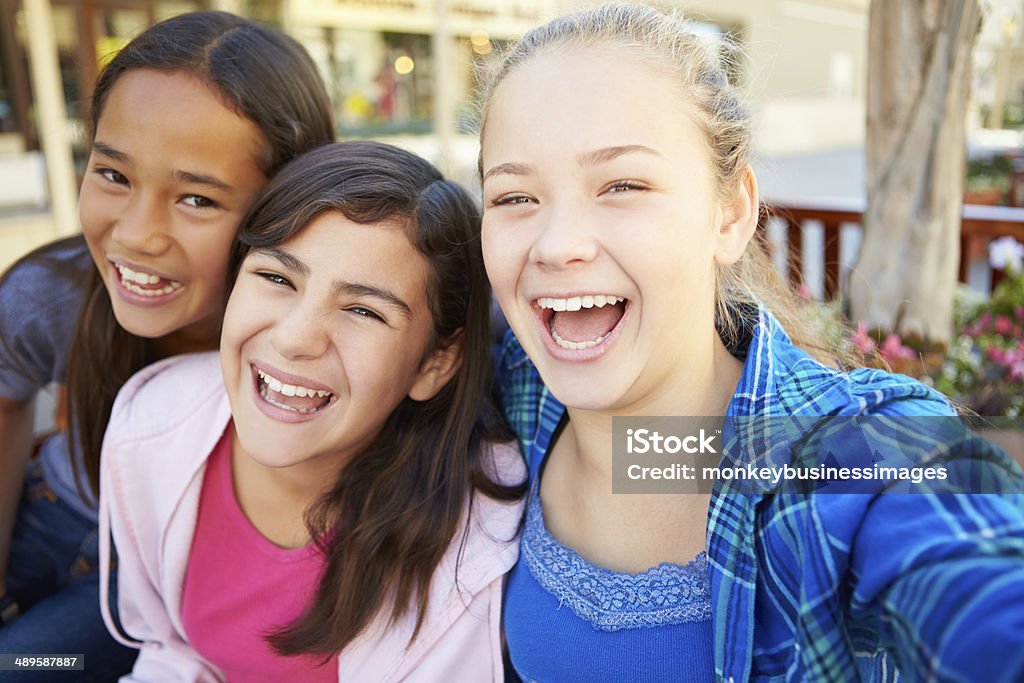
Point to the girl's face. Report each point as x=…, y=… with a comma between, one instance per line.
x=323, y=337
x=602, y=225
x=171, y=174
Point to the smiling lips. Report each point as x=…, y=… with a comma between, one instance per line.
x=145, y=284
x=581, y=322
x=293, y=397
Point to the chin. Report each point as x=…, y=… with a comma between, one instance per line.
x=149, y=329
x=582, y=393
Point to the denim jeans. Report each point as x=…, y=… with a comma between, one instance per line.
x=53, y=572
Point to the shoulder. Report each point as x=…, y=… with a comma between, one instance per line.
x=175, y=393
x=40, y=296
x=805, y=386
x=165, y=423
x=48, y=276
x=504, y=464
x=862, y=391
x=490, y=545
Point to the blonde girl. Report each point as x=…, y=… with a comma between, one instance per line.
x=619, y=216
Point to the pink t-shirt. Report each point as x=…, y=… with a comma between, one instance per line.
x=239, y=586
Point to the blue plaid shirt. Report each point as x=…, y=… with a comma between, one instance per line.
x=838, y=587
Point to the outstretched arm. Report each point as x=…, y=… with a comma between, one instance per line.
x=945, y=576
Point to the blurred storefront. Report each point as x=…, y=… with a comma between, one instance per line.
x=381, y=60
x=399, y=69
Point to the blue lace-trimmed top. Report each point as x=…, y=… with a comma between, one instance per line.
x=610, y=626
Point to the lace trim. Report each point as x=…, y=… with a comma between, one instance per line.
x=610, y=600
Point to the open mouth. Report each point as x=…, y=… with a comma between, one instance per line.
x=582, y=322
x=145, y=284
x=296, y=398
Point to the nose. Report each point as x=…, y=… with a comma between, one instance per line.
x=300, y=333
x=565, y=237
x=143, y=227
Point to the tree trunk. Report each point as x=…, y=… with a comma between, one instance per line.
x=918, y=83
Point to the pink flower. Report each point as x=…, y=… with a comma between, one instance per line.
x=1014, y=362
x=864, y=343
x=1003, y=325
x=1019, y=312
x=995, y=354
x=984, y=320
x=803, y=292
x=893, y=348
x=973, y=331
x=1016, y=370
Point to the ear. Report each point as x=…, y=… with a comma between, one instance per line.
x=437, y=369
x=739, y=220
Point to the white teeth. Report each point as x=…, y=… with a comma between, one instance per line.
x=577, y=302
x=131, y=279
x=279, y=387
x=135, y=289
x=576, y=346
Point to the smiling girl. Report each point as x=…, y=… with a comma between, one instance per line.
x=338, y=507
x=189, y=121
x=619, y=207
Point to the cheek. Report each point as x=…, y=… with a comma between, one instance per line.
x=242, y=317
x=382, y=372
x=93, y=212
x=502, y=256
x=209, y=257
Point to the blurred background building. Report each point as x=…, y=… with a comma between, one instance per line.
x=403, y=70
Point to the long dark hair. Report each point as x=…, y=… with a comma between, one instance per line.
x=265, y=77
x=394, y=510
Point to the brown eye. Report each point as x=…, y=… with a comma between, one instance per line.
x=509, y=200
x=625, y=186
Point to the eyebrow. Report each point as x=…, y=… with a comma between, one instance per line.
x=182, y=176
x=338, y=286
x=606, y=154
x=202, y=179
x=595, y=158
x=108, y=151
x=508, y=169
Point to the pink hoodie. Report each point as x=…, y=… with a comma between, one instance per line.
x=164, y=424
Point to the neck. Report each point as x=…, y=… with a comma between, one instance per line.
x=275, y=499
x=693, y=390
x=203, y=335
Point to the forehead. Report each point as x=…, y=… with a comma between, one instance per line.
x=179, y=115
x=375, y=253
x=590, y=98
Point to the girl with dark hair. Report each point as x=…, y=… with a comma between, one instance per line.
x=189, y=121
x=340, y=506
